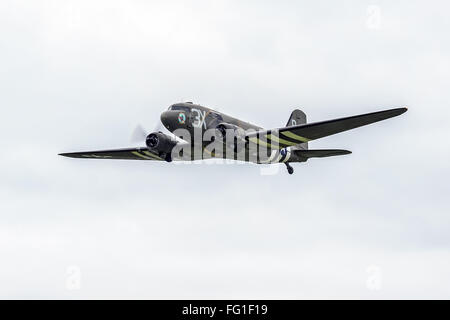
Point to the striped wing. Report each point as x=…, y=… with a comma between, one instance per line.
x=294, y=135
x=123, y=154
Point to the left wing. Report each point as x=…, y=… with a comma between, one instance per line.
x=124, y=154
x=294, y=135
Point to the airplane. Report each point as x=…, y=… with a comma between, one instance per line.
x=198, y=133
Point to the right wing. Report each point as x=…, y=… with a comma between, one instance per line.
x=294, y=135
x=124, y=154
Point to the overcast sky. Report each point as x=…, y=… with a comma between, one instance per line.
x=80, y=75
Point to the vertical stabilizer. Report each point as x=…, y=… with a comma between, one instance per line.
x=298, y=117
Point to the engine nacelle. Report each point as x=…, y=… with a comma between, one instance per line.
x=161, y=144
x=235, y=137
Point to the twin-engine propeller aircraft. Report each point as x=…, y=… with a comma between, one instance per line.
x=202, y=133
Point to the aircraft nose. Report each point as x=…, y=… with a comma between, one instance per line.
x=165, y=119
x=170, y=119
x=173, y=119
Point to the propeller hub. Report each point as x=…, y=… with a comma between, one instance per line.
x=152, y=141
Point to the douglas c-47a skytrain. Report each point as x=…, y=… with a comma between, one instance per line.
x=202, y=133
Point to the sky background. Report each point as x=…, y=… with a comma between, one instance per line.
x=80, y=75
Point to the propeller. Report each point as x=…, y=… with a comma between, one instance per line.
x=140, y=134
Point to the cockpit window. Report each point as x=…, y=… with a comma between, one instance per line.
x=182, y=108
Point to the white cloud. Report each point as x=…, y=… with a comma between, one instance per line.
x=80, y=75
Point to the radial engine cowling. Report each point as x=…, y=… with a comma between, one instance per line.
x=232, y=135
x=161, y=144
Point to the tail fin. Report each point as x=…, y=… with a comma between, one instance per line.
x=298, y=117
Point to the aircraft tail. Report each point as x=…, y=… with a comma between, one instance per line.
x=304, y=155
x=298, y=117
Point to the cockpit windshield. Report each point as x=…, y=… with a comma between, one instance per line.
x=181, y=108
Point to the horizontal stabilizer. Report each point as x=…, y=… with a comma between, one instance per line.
x=320, y=153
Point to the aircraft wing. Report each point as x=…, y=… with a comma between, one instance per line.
x=294, y=135
x=124, y=154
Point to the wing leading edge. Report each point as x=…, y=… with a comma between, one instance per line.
x=294, y=135
x=120, y=154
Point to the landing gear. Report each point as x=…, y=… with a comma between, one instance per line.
x=289, y=168
x=166, y=156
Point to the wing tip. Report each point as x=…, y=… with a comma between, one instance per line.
x=66, y=154
x=396, y=111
